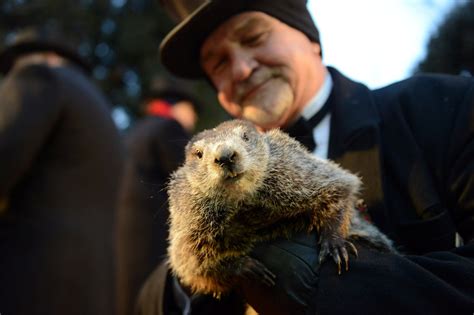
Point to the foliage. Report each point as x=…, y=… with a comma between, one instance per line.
x=119, y=37
x=451, y=47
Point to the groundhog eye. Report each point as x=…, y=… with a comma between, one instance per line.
x=245, y=137
x=198, y=153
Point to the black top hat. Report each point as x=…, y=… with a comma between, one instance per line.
x=37, y=40
x=180, y=50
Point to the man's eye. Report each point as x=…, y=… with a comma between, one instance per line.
x=253, y=39
x=219, y=65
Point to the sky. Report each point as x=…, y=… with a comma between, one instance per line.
x=376, y=42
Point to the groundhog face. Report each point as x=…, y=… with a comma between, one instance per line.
x=230, y=159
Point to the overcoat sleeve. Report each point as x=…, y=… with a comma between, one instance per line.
x=28, y=111
x=435, y=283
x=376, y=283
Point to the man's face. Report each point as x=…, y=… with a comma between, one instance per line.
x=264, y=70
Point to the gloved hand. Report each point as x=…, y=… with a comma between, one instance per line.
x=295, y=264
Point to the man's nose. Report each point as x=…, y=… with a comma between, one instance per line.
x=243, y=64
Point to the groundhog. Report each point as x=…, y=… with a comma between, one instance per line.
x=238, y=187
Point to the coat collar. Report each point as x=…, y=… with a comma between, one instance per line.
x=352, y=109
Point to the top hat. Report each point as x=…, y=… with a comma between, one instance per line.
x=38, y=40
x=180, y=49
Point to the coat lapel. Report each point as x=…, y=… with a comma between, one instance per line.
x=355, y=141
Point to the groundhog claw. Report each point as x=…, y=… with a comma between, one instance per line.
x=345, y=256
x=337, y=248
x=353, y=249
x=253, y=269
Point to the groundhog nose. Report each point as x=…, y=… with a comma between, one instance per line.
x=226, y=159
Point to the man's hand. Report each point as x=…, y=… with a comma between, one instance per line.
x=295, y=264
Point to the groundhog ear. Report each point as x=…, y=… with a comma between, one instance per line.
x=187, y=148
x=250, y=125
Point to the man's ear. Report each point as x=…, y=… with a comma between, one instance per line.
x=233, y=109
x=316, y=48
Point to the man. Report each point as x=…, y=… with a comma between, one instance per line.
x=60, y=165
x=412, y=144
x=155, y=148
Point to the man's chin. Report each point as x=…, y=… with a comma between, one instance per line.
x=269, y=105
x=261, y=118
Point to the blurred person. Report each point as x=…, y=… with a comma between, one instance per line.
x=411, y=143
x=60, y=165
x=155, y=148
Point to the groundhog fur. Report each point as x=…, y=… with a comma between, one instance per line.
x=238, y=187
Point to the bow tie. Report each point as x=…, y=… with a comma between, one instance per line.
x=302, y=129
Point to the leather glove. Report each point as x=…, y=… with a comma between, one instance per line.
x=295, y=264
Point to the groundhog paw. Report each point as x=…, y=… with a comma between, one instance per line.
x=252, y=270
x=339, y=249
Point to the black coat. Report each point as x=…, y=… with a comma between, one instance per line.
x=413, y=145
x=60, y=165
x=155, y=148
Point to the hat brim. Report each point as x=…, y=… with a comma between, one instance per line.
x=180, y=49
x=10, y=54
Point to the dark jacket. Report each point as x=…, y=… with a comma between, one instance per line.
x=412, y=143
x=155, y=148
x=60, y=165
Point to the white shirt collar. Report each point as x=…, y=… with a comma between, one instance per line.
x=318, y=100
x=321, y=131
